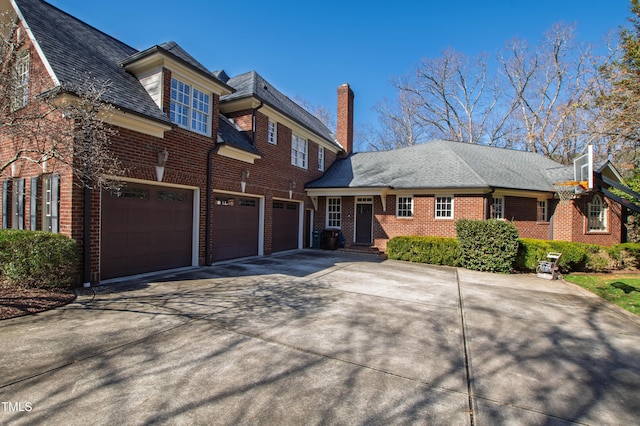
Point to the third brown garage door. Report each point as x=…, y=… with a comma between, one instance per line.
x=235, y=226
x=285, y=226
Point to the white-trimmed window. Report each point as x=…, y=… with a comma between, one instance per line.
x=321, y=158
x=404, y=207
x=50, y=200
x=190, y=107
x=272, y=133
x=497, y=210
x=542, y=211
x=21, y=93
x=299, y=151
x=334, y=212
x=597, y=215
x=444, y=207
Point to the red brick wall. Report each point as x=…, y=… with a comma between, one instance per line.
x=523, y=213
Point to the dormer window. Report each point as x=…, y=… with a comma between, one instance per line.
x=190, y=107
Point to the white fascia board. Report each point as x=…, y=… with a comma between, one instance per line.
x=36, y=45
x=540, y=195
x=237, y=154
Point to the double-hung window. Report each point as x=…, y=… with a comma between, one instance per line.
x=444, y=207
x=321, y=158
x=597, y=215
x=299, y=151
x=190, y=107
x=542, y=211
x=404, y=207
x=272, y=133
x=497, y=211
x=21, y=89
x=334, y=212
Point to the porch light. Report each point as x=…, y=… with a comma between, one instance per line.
x=292, y=186
x=163, y=156
x=243, y=180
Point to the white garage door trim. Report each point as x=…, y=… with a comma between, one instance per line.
x=195, y=234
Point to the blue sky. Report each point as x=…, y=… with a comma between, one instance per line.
x=308, y=49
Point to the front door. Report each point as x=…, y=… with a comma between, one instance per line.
x=364, y=222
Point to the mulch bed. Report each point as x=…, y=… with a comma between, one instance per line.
x=15, y=302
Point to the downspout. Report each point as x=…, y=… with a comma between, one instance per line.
x=253, y=123
x=207, y=223
x=487, y=211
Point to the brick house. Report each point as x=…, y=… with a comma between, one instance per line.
x=222, y=167
x=422, y=190
x=216, y=166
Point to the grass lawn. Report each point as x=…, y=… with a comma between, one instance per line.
x=621, y=289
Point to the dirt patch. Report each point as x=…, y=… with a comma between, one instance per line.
x=18, y=302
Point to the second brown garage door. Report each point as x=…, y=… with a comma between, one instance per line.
x=235, y=226
x=286, y=221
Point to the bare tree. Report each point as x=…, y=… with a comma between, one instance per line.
x=53, y=126
x=449, y=97
x=538, y=98
x=326, y=116
x=552, y=85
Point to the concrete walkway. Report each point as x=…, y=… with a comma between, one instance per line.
x=316, y=337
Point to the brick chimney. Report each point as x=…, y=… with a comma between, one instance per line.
x=345, y=118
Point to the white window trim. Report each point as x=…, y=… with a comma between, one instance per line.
x=398, y=207
x=272, y=132
x=321, y=158
x=190, y=108
x=299, y=158
x=546, y=211
x=21, y=88
x=435, y=207
x=493, y=208
x=604, y=212
x=328, y=223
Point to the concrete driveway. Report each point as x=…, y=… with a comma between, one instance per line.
x=317, y=337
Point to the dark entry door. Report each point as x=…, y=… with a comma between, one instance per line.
x=364, y=222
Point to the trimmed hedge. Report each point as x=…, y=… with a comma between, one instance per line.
x=37, y=259
x=431, y=250
x=487, y=245
x=575, y=256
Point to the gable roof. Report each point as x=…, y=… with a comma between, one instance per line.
x=77, y=52
x=445, y=165
x=252, y=84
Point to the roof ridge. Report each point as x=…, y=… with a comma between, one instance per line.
x=81, y=22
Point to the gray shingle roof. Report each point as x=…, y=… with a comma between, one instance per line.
x=251, y=84
x=77, y=52
x=232, y=136
x=445, y=165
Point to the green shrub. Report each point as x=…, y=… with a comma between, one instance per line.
x=487, y=245
x=431, y=250
x=37, y=259
x=575, y=256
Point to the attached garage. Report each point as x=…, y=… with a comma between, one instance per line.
x=145, y=228
x=286, y=224
x=235, y=226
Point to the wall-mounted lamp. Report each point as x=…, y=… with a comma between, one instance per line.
x=13, y=169
x=292, y=186
x=163, y=156
x=243, y=180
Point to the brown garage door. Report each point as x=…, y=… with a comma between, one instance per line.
x=145, y=228
x=235, y=226
x=285, y=226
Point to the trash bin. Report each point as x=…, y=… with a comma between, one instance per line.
x=330, y=239
x=316, y=241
